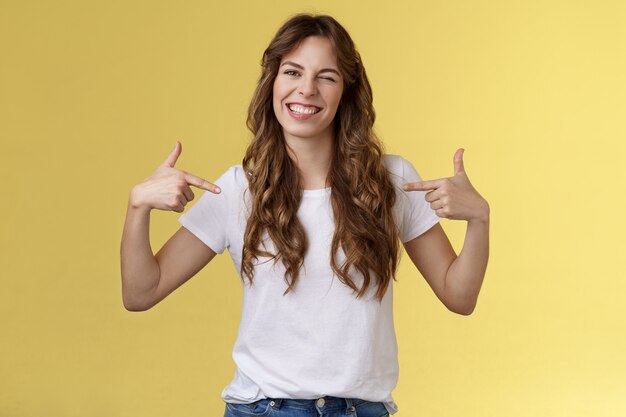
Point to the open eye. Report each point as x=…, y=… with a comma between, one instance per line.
x=291, y=72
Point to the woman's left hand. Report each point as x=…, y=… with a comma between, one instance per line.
x=454, y=197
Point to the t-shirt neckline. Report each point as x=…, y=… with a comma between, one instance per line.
x=316, y=192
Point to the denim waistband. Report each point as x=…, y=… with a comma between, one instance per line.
x=322, y=403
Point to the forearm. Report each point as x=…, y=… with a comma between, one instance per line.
x=465, y=275
x=139, y=268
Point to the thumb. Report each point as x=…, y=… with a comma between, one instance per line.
x=173, y=156
x=458, y=161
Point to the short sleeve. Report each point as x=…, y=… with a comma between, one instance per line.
x=417, y=215
x=207, y=219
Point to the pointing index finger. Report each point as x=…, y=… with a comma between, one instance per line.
x=201, y=183
x=423, y=185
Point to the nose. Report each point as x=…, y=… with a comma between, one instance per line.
x=307, y=87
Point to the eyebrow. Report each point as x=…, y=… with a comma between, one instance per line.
x=301, y=67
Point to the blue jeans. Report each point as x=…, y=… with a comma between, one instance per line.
x=328, y=406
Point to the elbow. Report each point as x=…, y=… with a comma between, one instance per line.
x=136, y=301
x=462, y=309
x=133, y=305
x=133, y=308
x=460, y=304
x=466, y=311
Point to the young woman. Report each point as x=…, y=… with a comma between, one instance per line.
x=312, y=219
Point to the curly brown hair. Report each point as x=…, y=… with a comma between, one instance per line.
x=362, y=194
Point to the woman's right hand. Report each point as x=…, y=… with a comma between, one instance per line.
x=168, y=188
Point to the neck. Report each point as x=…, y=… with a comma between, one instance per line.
x=313, y=157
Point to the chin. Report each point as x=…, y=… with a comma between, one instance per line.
x=304, y=133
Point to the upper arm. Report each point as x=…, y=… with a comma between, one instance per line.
x=432, y=254
x=180, y=258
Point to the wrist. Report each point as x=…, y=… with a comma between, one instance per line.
x=135, y=203
x=482, y=215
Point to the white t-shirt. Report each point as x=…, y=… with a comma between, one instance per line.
x=318, y=339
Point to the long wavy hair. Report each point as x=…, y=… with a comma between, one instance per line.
x=362, y=194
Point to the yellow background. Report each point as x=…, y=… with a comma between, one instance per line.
x=93, y=96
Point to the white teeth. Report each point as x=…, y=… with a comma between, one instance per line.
x=302, y=110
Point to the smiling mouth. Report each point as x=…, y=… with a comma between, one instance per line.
x=300, y=109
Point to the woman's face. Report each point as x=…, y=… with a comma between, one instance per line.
x=307, y=89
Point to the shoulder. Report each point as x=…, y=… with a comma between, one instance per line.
x=233, y=178
x=399, y=168
x=393, y=163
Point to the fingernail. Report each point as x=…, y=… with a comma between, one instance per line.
x=218, y=190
